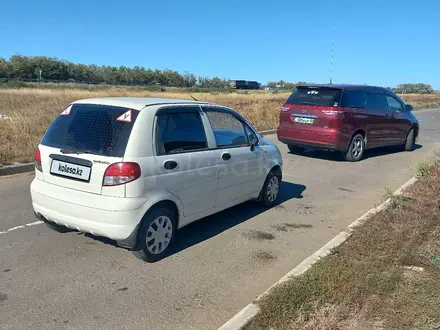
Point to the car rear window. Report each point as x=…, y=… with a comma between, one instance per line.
x=318, y=96
x=96, y=129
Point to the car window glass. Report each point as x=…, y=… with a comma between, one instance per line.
x=96, y=129
x=315, y=96
x=228, y=130
x=179, y=132
x=249, y=132
x=354, y=99
x=377, y=102
x=394, y=104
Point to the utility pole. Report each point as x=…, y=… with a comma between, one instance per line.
x=331, y=60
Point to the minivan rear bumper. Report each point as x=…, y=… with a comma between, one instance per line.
x=112, y=217
x=331, y=139
x=305, y=144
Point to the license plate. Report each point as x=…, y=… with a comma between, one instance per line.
x=74, y=171
x=302, y=120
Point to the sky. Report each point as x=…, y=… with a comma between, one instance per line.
x=376, y=42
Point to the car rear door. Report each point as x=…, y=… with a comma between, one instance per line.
x=82, y=142
x=241, y=170
x=187, y=167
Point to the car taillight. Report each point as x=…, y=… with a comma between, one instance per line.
x=37, y=160
x=121, y=173
x=332, y=112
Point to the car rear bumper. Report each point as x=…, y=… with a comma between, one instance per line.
x=330, y=139
x=305, y=144
x=112, y=217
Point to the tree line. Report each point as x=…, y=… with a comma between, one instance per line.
x=51, y=68
x=418, y=88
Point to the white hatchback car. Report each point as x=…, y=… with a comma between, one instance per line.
x=137, y=169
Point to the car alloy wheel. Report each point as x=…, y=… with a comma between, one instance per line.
x=273, y=189
x=356, y=149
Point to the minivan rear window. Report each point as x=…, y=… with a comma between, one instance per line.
x=90, y=128
x=318, y=96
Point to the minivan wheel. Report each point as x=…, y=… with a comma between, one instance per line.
x=410, y=140
x=271, y=190
x=295, y=149
x=356, y=149
x=156, y=235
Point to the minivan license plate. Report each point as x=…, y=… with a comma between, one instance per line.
x=302, y=120
x=73, y=171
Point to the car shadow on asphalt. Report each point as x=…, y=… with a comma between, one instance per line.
x=339, y=157
x=215, y=224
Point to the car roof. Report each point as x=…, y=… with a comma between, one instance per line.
x=343, y=86
x=136, y=103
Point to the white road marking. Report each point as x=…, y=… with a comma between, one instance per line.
x=22, y=226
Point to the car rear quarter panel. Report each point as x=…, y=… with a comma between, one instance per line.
x=355, y=120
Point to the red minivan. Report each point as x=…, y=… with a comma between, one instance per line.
x=346, y=118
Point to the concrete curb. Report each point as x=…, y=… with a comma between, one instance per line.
x=250, y=311
x=270, y=131
x=16, y=169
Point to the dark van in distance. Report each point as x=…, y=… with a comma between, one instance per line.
x=346, y=118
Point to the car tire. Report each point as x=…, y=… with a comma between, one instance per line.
x=410, y=140
x=356, y=149
x=295, y=149
x=56, y=227
x=161, y=223
x=271, y=189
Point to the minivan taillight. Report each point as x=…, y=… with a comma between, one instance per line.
x=333, y=112
x=121, y=173
x=37, y=160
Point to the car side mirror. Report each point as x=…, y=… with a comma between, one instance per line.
x=408, y=107
x=253, y=141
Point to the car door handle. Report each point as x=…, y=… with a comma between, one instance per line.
x=170, y=164
x=226, y=156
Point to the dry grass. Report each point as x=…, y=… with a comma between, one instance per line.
x=31, y=110
x=364, y=283
x=423, y=101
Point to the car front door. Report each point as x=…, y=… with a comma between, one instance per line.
x=397, y=117
x=381, y=132
x=187, y=166
x=241, y=168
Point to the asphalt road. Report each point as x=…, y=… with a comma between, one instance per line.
x=74, y=281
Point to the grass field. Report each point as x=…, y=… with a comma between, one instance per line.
x=31, y=110
x=386, y=276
